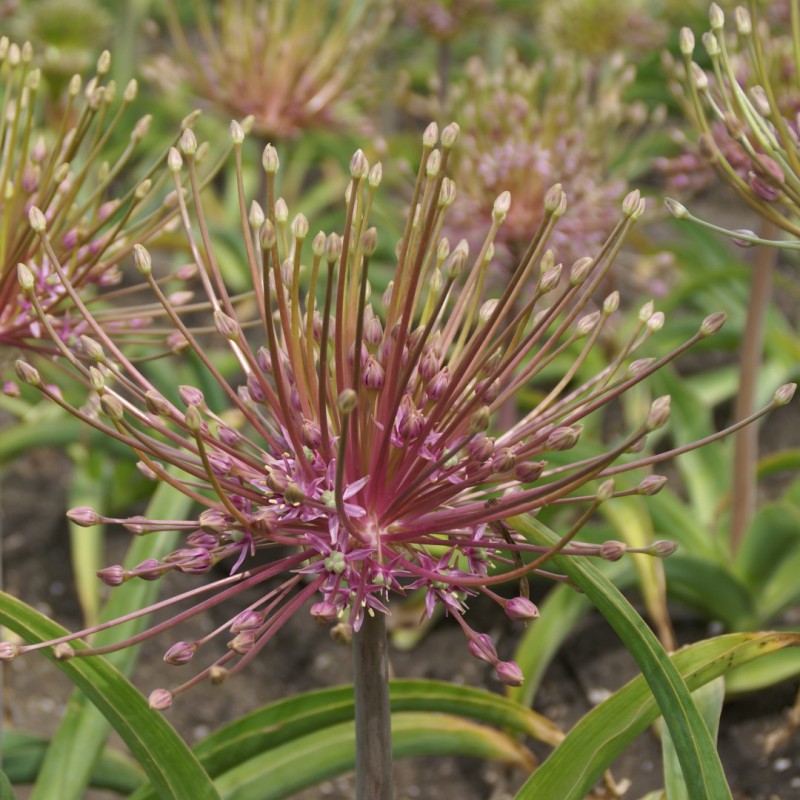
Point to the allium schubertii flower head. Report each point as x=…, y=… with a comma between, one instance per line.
x=290, y=66
x=359, y=445
x=525, y=128
x=92, y=225
x=745, y=111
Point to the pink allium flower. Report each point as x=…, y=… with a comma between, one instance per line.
x=745, y=112
x=364, y=454
x=92, y=225
x=525, y=128
x=289, y=69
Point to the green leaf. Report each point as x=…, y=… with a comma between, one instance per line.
x=6, y=789
x=290, y=720
x=693, y=743
x=773, y=668
x=84, y=729
x=87, y=488
x=709, y=699
x=168, y=762
x=711, y=588
x=321, y=755
x=602, y=734
x=23, y=754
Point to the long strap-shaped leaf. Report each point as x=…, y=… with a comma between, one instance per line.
x=23, y=754
x=287, y=721
x=601, y=735
x=693, y=743
x=311, y=759
x=168, y=762
x=83, y=730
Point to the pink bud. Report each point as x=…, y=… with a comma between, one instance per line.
x=482, y=647
x=247, y=620
x=509, y=673
x=8, y=651
x=83, y=516
x=520, y=608
x=243, y=643
x=324, y=612
x=160, y=699
x=112, y=576
x=180, y=653
x=612, y=550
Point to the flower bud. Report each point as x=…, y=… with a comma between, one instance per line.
x=180, y=653
x=37, y=219
x=142, y=260
x=580, y=270
x=26, y=278
x=269, y=160
x=112, y=576
x=501, y=206
x=612, y=550
x=482, y=647
x=324, y=612
x=8, y=651
x=686, y=41
x=359, y=166
x=430, y=136
x=509, y=673
x=63, y=651
x=243, y=642
x=112, y=407
x=520, y=608
x=84, y=516
x=662, y=548
x=784, y=394
x=652, y=484
x=450, y=135
x=348, y=401
x=160, y=699
x=659, y=413
x=678, y=210
x=712, y=323
x=27, y=373
x=174, y=160
x=247, y=620
x=226, y=326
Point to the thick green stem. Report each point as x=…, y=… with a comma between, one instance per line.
x=373, y=716
x=745, y=448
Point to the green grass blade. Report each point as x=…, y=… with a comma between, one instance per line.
x=66, y=771
x=293, y=718
x=23, y=754
x=6, y=789
x=709, y=699
x=318, y=756
x=87, y=488
x=602, y=734
x=693, y=743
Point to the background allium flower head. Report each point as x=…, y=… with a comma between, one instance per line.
x=444, y=19
x=291, y=66
x=358, y=446
x=745, y=110
x=67, y=34
x=92, y=223
x=526, y=128
x=597, y=28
